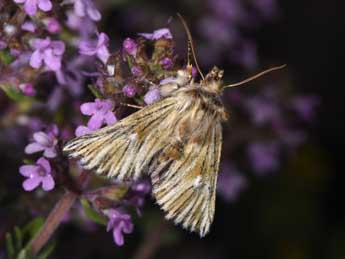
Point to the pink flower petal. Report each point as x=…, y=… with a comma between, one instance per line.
x=94, y=14
x=48, y=183
x=88, y=108
x=45, y=164
x=110, y=118
x=53, y=62
x=45, y=5
x=58, y=47
x=95, y=121
x=36, y=59
x=31, y=183
x=33, y=148
x=103, y=54
x=82, y=130
x=27, y=170
x=42, y=138
x=30, y=7
x=50, y=152
x=118, y=236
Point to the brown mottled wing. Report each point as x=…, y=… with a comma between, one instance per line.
x=186, y=188
x=125, y=149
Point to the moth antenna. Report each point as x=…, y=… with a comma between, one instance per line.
x=190, y=45
x=255, y=76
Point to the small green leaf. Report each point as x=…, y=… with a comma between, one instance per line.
x=95, y=91
x=33, y=226
x=22, y=254
x=14, y=94
x=92, y=214
x=18, y=238
x=6, y=58
x=47, y=251
x=9, y=246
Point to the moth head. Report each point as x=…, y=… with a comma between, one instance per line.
x=213, y=81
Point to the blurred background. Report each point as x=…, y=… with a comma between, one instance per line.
x=294, y=208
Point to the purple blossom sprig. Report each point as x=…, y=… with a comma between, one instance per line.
x=49, y=52
x=98, y=47
x=44, y=141
x=120, y=223
x=40, y=173
x=100, y=112
x=31, y=6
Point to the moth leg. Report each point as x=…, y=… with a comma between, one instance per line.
x=132, y=105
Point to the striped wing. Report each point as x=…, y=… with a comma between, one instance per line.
x=186, y=188
x=125, y=149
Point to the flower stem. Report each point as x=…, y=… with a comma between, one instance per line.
x=54, y=218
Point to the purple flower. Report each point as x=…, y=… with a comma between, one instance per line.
x=30, y=6
x=44, y=142
x=305, y=106
x=37, y=174
x=130, y=46
x=47, y=51
x=27, y=89
x=152, y=96
x=245, y=54
x=98, y=47
x=29, y=26
x=136, y=71
x=100, y=112
x=129, y=90
x=3, y=45
x=120, y=222
x=53, y=26
x=264, y=156
x=157, y=34
x=84, y=8
x=262, y=110
x=166, y=62
x=136, y=195
x=231, y=183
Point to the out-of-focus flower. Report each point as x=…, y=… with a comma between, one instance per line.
x=231, y=183
x=47, y=51
x=245, y=54
x=230, y=10
x=28, y=26
x=152, y=96
x=262, y=110
x=136, y=195
x=30, y=6
x=264, y=156
x=267, y=8
x=52, y=25
x=166, y=62
x=84, y=8
x=120, y=223
x=100, y=112
x=130, y=46
x=27, y=89
x=3, y=45
x=97, y=48
x=136, y=71
x=157, y=34
x=44, y=142
x=37, y=174
x=305, y=106
x=129, y=90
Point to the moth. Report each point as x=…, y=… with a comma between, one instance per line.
x=177, y=141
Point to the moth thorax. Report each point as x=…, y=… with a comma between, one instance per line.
x=214, y=87
x=182, y=77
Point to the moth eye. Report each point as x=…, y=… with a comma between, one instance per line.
x=197, y=181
